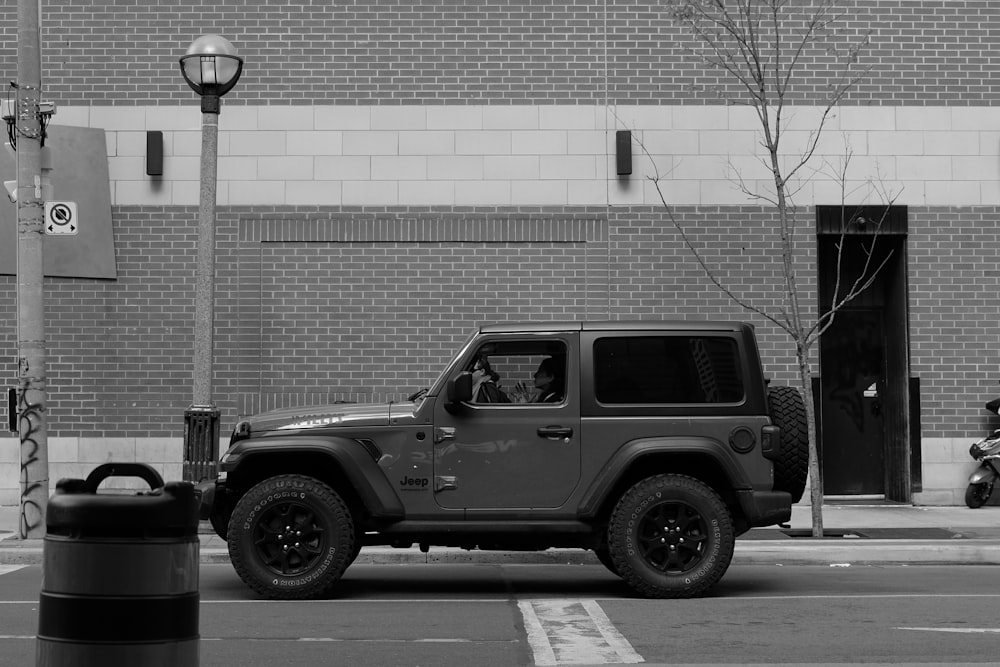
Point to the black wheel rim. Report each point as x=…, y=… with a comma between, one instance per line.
x=672, y=537
x=289, y=538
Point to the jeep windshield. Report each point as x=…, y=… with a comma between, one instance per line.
x=438, y=385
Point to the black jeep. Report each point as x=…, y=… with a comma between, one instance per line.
x=652, y=443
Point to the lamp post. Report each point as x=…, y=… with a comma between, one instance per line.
x=211, y=67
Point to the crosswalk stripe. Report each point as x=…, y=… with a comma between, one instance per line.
x=573, y=632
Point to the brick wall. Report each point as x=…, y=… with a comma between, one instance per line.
x=372, y=305
x=393, y=51
x=327, y=304
x=954, y=297
x=296, y=294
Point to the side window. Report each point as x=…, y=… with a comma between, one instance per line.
x=667, y=369
x=531, y=371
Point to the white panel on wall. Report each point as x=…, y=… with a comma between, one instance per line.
x=932, y=155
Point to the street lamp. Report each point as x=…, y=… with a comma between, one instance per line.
x=211, y=67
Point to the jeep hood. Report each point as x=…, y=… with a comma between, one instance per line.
x=327, y=416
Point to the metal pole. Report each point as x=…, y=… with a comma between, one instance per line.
x=204, y=303
x=32, y=428
x=201, y=420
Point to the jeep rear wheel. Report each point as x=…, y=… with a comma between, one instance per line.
x=671, y=536
x=291, y=537
x=791, y=466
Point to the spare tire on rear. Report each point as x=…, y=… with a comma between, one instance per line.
x=791, y=466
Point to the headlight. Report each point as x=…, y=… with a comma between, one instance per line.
x=228, y=456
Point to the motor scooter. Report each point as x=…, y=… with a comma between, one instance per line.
x=987, y=452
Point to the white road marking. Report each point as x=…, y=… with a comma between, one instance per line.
x=339, y=640
x=574, y=632
x=968, y=631
x=7, y=569
x=439, y=640
x=368, y=601
x=537, y=639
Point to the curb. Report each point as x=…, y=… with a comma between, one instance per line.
x=869, y=552
x=770, y=552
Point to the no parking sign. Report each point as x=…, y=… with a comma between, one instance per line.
x=60, y=217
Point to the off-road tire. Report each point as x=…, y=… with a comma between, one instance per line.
x=791, y=467
x=291, y=537
x=604, y=556
x=220, y=524
x=671, y=536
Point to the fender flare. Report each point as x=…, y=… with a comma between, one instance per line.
x=626, y=456
x=364, y=474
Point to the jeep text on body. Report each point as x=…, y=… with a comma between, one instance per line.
x=652, y=443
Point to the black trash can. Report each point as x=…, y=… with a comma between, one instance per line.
x=201, y=443
x=120, y=573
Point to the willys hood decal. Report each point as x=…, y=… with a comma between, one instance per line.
x=325, y=416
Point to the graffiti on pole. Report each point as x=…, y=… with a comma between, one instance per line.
x=33, y=478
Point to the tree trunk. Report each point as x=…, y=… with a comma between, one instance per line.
x=815, y=479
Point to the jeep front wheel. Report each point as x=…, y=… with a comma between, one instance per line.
x=604, y=556
x=671, y=536
x=291, y=537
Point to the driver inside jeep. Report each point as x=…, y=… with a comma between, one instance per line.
x=484, y=383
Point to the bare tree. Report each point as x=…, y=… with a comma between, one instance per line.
x=762, y=46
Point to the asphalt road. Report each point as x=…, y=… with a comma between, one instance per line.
x=495, y=615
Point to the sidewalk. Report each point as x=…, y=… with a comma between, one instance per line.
x=856, y=534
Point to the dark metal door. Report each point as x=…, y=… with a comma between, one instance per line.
x=853, y=381
x=500, y=456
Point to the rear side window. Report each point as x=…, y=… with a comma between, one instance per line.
x=667, y=369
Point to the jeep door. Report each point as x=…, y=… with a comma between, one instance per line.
x=519, y=454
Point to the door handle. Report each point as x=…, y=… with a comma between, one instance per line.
x=445, y=483
x=556, y=432
x=444, y=433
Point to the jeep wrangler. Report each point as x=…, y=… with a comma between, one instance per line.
x=658, y=444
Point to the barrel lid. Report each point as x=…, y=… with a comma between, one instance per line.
x=76, y=509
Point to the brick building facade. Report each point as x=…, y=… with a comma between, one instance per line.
x=392, y=173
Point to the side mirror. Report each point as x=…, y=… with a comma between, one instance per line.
x=460, y=389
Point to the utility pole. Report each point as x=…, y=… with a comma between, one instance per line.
x=31, y=390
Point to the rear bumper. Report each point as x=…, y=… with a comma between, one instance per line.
x=766, y=508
